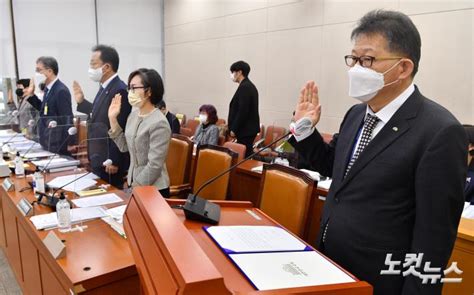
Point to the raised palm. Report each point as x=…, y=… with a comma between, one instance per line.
x=308, y=103
x=114, y=109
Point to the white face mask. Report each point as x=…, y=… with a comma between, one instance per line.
x=39, y=78
x=95, y=74
x=365, y=83
x=202, y=118
x=232, y=77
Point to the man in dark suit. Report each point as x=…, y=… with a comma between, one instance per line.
x=174, y=122
x=243, y=119
x=104, y=65
x=398, y=164
x=469, y=188
x=54, y=106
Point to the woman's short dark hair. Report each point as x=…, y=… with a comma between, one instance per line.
x=49, y=62
x=211, y=113
x=241, y=66
x=397, y=28
x=152, y=81
x=108, y=55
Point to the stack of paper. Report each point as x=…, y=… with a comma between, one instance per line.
x=272, y=258
x=115, y=219
x=50, y=220
x=97, y=200
x=240, y=239
x=74, y=182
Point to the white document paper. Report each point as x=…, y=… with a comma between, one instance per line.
x=269, y=271
x=313, y=174
x=325, y=184
x=117, y=212
x=468, y=212
x=258, y=169
x=50, y=220
x=80, y=185
x=41, y=154
x=62, y=180
x=240, y=239
x=97, y=200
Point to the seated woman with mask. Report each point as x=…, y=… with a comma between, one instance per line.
x=147, y=133
x=207, y=132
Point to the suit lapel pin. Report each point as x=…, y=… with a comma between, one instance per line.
x=395, y=129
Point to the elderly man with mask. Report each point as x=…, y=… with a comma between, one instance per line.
x=398, y=164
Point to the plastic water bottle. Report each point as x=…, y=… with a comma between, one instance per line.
x=19, y=168
x=63, y=211
x=38, y=181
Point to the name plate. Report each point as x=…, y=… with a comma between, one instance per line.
x=8, y=185
x=25, y=207
x=55, y=246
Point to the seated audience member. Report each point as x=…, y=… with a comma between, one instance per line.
x=207, y=132
x=174, y=122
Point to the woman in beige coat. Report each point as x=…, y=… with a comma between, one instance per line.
x=147, y=133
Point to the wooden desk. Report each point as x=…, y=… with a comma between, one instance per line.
x=189, y=256
x=463, y=254
x=98, y=260
x=245, y=186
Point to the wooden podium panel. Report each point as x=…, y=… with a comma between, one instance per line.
x=164, y=242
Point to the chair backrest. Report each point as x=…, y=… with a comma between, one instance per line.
x=181, y=118
x=238, y=148
x=272, y=133
x=220, y=122
x=179, y=159
x=192, y=124
x=212, y=160
x=259, y=134
x=186, y=131
x=285, y=195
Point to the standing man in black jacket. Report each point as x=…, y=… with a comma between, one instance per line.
x=243, y=120
x=398, y=164
x=104, y=65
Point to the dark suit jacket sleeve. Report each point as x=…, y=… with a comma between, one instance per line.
x=35, y=102
x=439, y=183
x=85, y=107
x=114, y=152
x=243, y=100
x=316, y=152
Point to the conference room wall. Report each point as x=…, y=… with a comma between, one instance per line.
x=7, y=57
x=67, y=30
x=289, y=42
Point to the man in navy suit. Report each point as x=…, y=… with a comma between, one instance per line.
x=398, y=164
x=104, y=65
x=54, y=106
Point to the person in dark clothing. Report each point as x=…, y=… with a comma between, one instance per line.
x=174, y=122
x=243, y=120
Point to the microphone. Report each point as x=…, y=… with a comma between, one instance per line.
x=54, y=124
x=71, y=132
x=199, y=209
x=51, y=200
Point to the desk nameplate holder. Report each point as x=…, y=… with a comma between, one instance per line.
x=8, y=185
x=55, y=246
x=25, y=207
